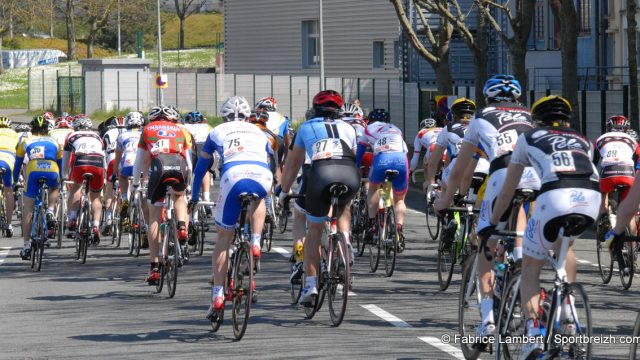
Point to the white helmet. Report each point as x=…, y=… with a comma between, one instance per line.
x=428, y=123
x=134, y=119
x=82, y=123
x=235, y=108
x=163, y=112
x=351, y=110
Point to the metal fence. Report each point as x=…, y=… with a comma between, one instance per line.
x=43, y=85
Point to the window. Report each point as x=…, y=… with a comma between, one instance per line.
x=584, y=17
x=310, y=44
x=378, y=54
x=396, y=54
x=539, y=20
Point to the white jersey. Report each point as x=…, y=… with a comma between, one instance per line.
x=451, y=137
x=110, y=142
x=616, y=149
x=384, y=138
x=60, y=135
x=199, y=132
x=426, y=138
x=127, y=142
x=85, y=143
x=238, y=142
x=277, y=123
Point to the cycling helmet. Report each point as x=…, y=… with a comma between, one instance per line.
x=267, y=103
x=428, y=123
x=194, y=117
x=380, y=115
x=48, y=115
x=63, y=123
x=309, y=114
x=463, y=109
x=351, y=110
x=120, y=122
x=163, y=113
x=235, y=108
x=82, y=123
x=5, y=121
x=133, y=120
x=327, y=102
x=40, y=125
x=550, y=110
x=618, y=123
x=261, y=117
x=180, y=119
x=502, y=88
x=64, y=114
x=23, y=128
x=110, y=123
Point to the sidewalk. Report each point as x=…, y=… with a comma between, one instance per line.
x=16, y=115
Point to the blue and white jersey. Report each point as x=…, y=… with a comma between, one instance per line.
x=325, y=139
x=127, y=142
x=278, y=124
x=238, y=143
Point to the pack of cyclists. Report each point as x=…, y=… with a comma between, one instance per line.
x=483, y=155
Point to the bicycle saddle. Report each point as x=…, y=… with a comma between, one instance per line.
x=391, y=173
x=573, y=224
x=87, y=176
x=248, y=196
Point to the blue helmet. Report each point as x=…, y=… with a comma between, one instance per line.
x=502, y=88
x=380, y=115
x=194, y=117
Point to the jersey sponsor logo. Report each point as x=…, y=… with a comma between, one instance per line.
x=558, y=142
x=510, y=117
x=577, y=196
x=166, y=133
x=531, y=229
x=43, y=165
x=538, y=134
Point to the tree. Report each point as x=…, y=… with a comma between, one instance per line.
x=520, y=22
x=632, y=7
x=96, y=13
x=565, y=13
x=135, y=15
x=438, y=54
x=6, y=22
x=68, y=9
x=184, y=9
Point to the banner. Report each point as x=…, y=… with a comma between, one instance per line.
x=27, y=58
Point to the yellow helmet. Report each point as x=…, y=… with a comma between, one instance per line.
x=551, y=110
x=463, y=108
x=5, y=121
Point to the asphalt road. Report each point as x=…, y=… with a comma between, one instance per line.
x=104, y=310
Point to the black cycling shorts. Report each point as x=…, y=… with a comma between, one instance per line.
x=166, y=170
x=322, y=175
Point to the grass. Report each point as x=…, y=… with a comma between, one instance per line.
x=192, y=58
x=200, y=30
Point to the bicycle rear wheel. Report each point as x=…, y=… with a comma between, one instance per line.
x=283, y=220
x=338, y=281
x=469, y=316
x=242, y=290
x=375, y=247
x=78, y=237
x=575, y=323
x=62, y=220
x=172, y=259
x=511, y=322
x=446, y=261
x=390, y=242
x=634, y=351
x=433, y=223
x=202, y=218
x=85, y=232
x=605, y=260
x=627, y=268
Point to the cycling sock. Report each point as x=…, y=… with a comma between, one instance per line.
x=96, y=223
x=181, y=224
x=310, y=282
x=205, y=196
x=50, y=210
x=347, y=236
x=517, y=252
x=486, y=306
x=255, y=239
x=217, y=291
x=154, y=265
x=27, y=245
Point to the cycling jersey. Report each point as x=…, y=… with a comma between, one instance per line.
x=451, y=137
x=127, y=143
x=8, y=143
x=110, y=142
x=199, y=132
x=278, y=124
x=274, y=143
x=87, y=157
x=60, y=135
x=325, y=139
x=389, y=153
x=617, y=153
x=8, y=139
x=164, y=137
x=45, y=157
x=426, y=138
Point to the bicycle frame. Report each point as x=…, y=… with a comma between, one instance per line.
x=40, y=202
x=169, y=213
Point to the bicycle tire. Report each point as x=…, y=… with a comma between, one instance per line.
x=390, y=242
x=87, y=233
x=34, y=248
x=200, y=228
x=77, y=236
x=61, y=218
x=605, y=260
x=242, y=291
x=469, y=316
x=446, y=261
x=172, y=259
x=339, y=276
x=511, y=321
x=626, y=276
x=633, y=350
x=42, y=238
x=270, y=241
x=138, y=232
x=434, y=230
x=583, y=325
x=284, y=219
x=161, y=267
x=296, y=288
x=375, y=248
x=120, y=229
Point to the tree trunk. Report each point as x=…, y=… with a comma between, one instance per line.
x=1, y=62
x=10, y=24
x=519, y=67
x=51, y=19
x=633, y=62
x=91, y=38
x=71, y=31
x=181, y=40
x=480, y=58
x=444, y=81
x=565, y=12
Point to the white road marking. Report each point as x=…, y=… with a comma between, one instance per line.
x=282, y=251
x=584, y=261
x=415, y=211
x=438, y=344
x=386, y=316
x=4, y=252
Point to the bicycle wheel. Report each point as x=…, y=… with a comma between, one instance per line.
x=511, y=322
x=242, y=290
x=172, y=259
x=201, y=230
x=338, y=280
x=375, y=247
x=270, y=236
x=390, y=242
x=433, y=223
x=296, y=284
x=284, y=219
x=446, y=261
x=605, y=260
x=77, y=236
x=469, y=316
x=575, y=323
x=40, y=239
x=362, y=222
x=85, y=232
x=627, y=268
x=61, y=220
x=137, y=244
x=634, y=352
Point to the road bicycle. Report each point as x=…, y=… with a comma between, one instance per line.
x=198, y=226
x=84, y=235
x=334, y=280
x=62, y=212
x=39, y=225
x=137, y=223
x=239, y=283
x=18, y=201
x=297, y=275
x=272, y=219
x=4, y=220
x=564, y=313
x=360, y=217
x=388, y=240
x=283, y=216
x=118, y=224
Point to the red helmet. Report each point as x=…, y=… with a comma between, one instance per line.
x=64, y=122
x=618, y=123
x=48, y=116
x=267, y=103
x=328, y=101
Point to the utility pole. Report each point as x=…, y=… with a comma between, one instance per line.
x=161, y=91
x=321, y=48
x=119, y=38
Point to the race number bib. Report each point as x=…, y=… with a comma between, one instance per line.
x=561, y=161
x=130, y=147
x=37, y=152
x=506, y=142
x=162, y=146
x=86, y=148
x=112, y=146
x=327, y=149
x=234, y=147
x=388, y=144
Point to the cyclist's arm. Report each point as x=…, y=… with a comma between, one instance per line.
x=205, y=160
x=291, y=166
x=116, y=165
x=17, y=167
x=360, y=153
x=65, y=160
x=417, y=147
x=432, y=165
x=503, y=201
x=455, y=177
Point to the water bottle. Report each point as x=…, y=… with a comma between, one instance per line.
x=543, y=311
x=499, y=268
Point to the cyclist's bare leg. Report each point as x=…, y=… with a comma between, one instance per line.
x=53, y=198
x=27, y=214
x=124, y=187
x=258, y=214
x=96, y=207
x=604, y=204
x=530, y=286
x=73, y=203
x=108, y=197
x=485, y=273
x=155, y=213
x=399, y=206
x=180, y=205
x=220, y=256
x=9, y=203
x=312, y=248
x=374, y=198
x=520, y=226
x=206, y=186
x=299, y=230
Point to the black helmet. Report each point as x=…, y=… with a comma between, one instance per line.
x=550, y=110
x=380, y=115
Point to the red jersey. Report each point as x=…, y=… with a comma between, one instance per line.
x=163, y=137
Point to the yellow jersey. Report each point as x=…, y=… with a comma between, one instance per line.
x=8, y=139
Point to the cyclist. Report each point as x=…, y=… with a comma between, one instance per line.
x=389, y=153
x=331, y=145
x=618, y=152
x=353, y=114
x=62, y=130
x=23, y=130
x=495, y=129
x=163, y=152
x=84, y=152
x=114, y=127
x=425, y=139
x=277, y=124
x=47, y=115
x=8, y=143
x=198, y=126
x=562, y=158
x=44, y=162
x=126, y=148
x=244, y=149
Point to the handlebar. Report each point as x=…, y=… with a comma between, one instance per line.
x=506, y=233
x=207, y=203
